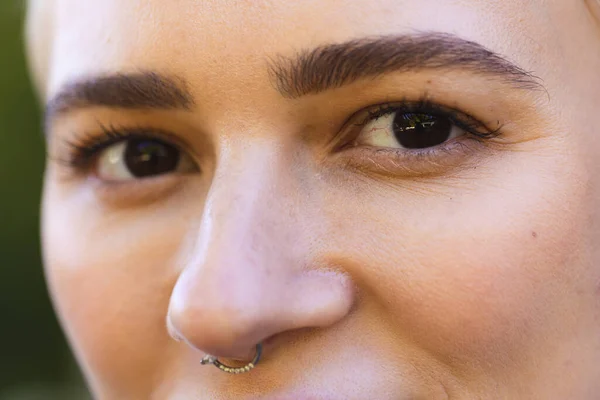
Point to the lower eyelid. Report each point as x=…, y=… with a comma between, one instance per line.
x=137, y=192
x=436, y=160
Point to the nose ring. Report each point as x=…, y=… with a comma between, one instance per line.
x=208, y=359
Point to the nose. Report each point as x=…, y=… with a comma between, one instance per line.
x=253, y=273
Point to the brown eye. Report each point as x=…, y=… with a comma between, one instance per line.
x=141, y=158
x=408, y=131
x=419, y=131
x=150, y=157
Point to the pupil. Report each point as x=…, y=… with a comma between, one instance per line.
x=145, y=157
x=419, y=131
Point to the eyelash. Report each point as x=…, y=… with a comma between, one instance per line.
x=411, y=162
x=85, y=148
x=462, y=120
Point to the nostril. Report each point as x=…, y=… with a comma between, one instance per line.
x=251, y=354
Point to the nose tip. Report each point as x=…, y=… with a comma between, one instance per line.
x=230, y=325
x=215, y=323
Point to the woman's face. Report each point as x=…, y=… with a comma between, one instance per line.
x=394, y=211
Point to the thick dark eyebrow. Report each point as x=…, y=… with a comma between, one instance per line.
x=143, y=90
x=335, y=65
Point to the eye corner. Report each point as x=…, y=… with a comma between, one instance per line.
x=426, y=153
x=101, y=152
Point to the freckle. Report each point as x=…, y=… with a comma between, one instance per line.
x=534, y=234
x=429, y=81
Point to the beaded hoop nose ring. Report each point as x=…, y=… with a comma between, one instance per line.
x=208, y=359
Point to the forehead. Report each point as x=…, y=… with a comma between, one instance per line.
x=231, y=40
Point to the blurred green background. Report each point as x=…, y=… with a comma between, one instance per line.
x=35, y=362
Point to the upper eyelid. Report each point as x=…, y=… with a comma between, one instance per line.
x=459, y=117
x=91, y=143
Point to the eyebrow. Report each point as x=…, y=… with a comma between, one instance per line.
x=336, y=65
x=130, y=91
x=308, y=72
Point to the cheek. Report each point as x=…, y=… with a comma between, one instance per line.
x=111, y=287
x=477, y=273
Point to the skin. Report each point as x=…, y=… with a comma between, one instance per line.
x=475, y=281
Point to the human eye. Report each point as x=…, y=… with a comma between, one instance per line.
x=128, y=154
x=413, y=137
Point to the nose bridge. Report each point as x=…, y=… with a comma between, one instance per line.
x=247, y=279
x=243, y=215
x=241, y=259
